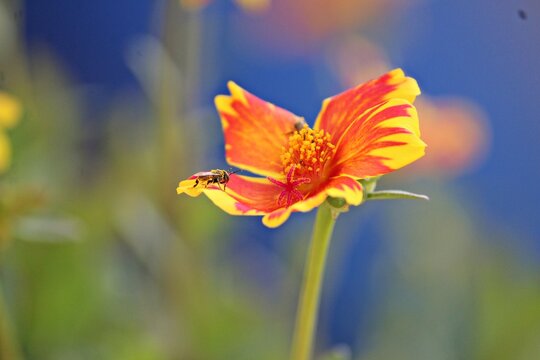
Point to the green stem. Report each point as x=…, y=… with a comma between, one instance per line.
x=308, y=303
x=394, y=195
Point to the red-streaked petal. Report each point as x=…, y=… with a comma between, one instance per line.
x=383, y=139
x=230, y=205
x=276, y=218
x=339, y=111
x=346, y=188
x=246, y=196
x=255, y=131
x=279, y=216
x=340, y=186
x=309, y=203
x=258, y=196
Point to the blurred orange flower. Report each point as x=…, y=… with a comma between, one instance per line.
x=458, y=134
x=10, y=112
x=356, y=59
x=364, y=132
x=300, y=25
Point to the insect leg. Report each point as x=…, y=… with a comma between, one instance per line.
x=216, y=181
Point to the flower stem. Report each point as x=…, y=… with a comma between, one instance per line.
x=308, y=303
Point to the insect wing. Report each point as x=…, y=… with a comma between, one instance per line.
x=202, y=174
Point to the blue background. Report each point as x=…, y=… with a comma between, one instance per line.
x=481, y=50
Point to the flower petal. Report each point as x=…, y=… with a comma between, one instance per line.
x=339, y=111
x=258, y=196
x=383, y=139
x=276, y=218
x=246, y=195
x=340, y=186
x=279, y=216
x=255, y=131
x=347, y=188
x=310, y=202
x=229, y=204
x=189, y=187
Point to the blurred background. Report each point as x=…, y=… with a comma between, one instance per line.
x=106, y=105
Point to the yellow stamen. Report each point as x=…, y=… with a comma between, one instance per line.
x=308, y=151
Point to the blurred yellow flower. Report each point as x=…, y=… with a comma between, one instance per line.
x=10, y=112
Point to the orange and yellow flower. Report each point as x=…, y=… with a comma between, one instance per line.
x=364, y=132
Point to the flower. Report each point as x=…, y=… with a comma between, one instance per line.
x=10, y=112
x=356, y=59
x=364, y=132
x=300, y=27
x=459, y=131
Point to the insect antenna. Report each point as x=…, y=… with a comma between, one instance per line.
x=230, y=172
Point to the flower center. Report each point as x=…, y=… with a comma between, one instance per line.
x=289, y=193
x=308, y=152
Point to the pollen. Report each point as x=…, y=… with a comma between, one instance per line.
x=308, y=151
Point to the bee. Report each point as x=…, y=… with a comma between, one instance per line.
x=196, y=183
x=216, y=176
x=299, y=125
